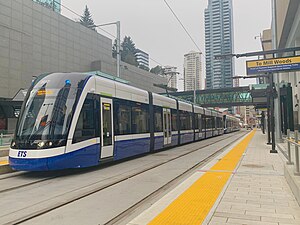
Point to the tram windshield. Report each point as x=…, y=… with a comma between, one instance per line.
x=46, y=116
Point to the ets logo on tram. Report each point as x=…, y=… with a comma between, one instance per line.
x=22, y=154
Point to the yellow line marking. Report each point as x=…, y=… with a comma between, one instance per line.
x=192, y=206
x=4, y=162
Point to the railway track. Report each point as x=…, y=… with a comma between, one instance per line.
x=76, y=194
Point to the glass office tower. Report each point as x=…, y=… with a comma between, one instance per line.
x=219, y=41
x=51, y=4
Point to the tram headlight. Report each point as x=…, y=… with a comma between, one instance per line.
x=13, y=144
x=41, y=144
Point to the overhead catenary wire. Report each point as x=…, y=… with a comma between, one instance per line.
x=77, y=14
x=186, y=31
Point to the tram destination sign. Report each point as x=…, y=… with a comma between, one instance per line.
x=273, y=65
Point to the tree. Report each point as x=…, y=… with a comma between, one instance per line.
x=86, y=19
x=128, y=51
x=157, y=70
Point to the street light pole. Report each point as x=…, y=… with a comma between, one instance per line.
x=118, y=24
x=118, y=47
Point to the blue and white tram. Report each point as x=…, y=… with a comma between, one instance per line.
x=231, y=124
x=74, y=120
x=209, y=123
x=198, y=124
x=164, y=120
x=220, y=123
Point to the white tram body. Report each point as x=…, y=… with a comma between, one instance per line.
x=75, y=120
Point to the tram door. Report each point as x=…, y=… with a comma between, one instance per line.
x=107, y=133
x=167, y=126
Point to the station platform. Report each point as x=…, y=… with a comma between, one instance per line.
x=243, y=185
x=4, y=166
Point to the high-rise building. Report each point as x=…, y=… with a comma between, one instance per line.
x=218, y=41
x=142, y=58
x=192, y=71
x=55, y=5
x=171, y=74
x=236, y=82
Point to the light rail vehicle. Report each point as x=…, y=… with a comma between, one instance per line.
x=76, y=120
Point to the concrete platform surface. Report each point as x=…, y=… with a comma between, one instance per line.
x=256, y=193
x=4, y=167
x=4, y=151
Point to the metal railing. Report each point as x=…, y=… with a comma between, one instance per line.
x=295, y=142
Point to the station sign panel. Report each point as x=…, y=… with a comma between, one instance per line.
x=273, y=65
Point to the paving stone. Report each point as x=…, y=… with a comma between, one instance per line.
x=276, y=215
x=248, y=222
x=217, y=219
x=280, y=220
x=238, y=211
x=237, y=216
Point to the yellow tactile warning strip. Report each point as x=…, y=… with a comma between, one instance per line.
x=3, y=162
x=192, y=206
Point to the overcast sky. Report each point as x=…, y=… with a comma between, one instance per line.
x=155, y=30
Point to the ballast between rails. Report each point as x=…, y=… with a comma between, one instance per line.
x=74, y=120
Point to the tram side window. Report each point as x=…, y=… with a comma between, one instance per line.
x=221, y=122
x=203, y=122
x=208, y=123
x=140, y=118
x=213, y=120
x=122, y=112
x=196, y=121
x=174, y=119
x=185, y=120
x=87, y=126
x=199, y=122
x=158, y=119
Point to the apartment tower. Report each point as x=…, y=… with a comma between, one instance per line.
x=192, y=71
x=142, y=58
x=171, y=74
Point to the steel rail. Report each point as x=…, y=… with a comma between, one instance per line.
x=92, y=190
